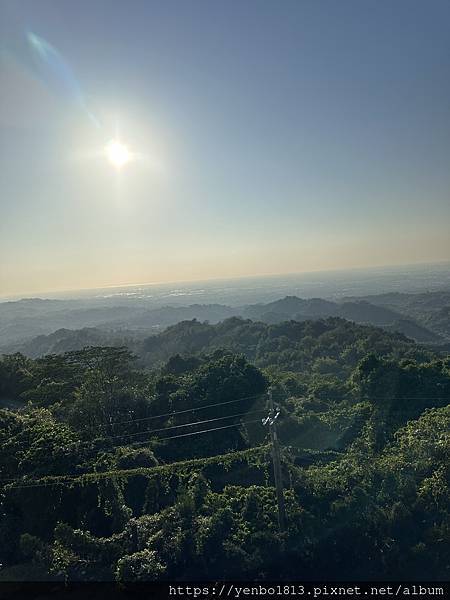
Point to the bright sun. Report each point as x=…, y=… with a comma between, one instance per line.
x=117, y=154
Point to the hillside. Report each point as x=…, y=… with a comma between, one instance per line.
x=423, y=318
x=430, y=309
x=357, y=310
x=112, y=472
x=65, y=340
x=331, y=346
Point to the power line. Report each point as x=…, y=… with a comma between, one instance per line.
x=195, y=409
x=369, y=397
x=188, y=410
x=205, y=431
x=174, y=413
x=147, y=431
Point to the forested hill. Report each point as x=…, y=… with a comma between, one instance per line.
x=116, y=467
x=36, y=327
x=330, y=346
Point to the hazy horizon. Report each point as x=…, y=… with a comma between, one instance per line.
x=415, y=277
x=194, y=141
x=365, y=269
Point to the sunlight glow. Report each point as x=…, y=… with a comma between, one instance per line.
x=117, y=154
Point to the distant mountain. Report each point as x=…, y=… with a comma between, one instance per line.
x=439, y=320
x=65, y=340
x=362, y=311
x=57, y=324
x=291, y=306
x=159, y=318
x=358, y=311
x=430, y=310
x=417, y=303
x=24, y=320
x=415, y=331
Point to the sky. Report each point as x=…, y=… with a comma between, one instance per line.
x=266, y=137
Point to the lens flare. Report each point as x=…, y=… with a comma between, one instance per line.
x=54, y=71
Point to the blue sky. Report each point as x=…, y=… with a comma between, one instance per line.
x=287, y=137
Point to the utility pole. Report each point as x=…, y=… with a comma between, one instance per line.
x=271, y=421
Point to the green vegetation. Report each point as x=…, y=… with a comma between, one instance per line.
x=117, y=467
x=37, y=327
x=324, y=347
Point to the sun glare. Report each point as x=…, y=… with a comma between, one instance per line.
x=117, y=154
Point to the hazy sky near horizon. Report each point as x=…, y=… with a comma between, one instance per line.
x=267, y=137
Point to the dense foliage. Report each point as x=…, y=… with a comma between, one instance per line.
x=110, y=469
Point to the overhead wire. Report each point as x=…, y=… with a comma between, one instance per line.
x=149, y=431
x=199, y=408
x=189, y=410
x=172, y=437
x=173, y=413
